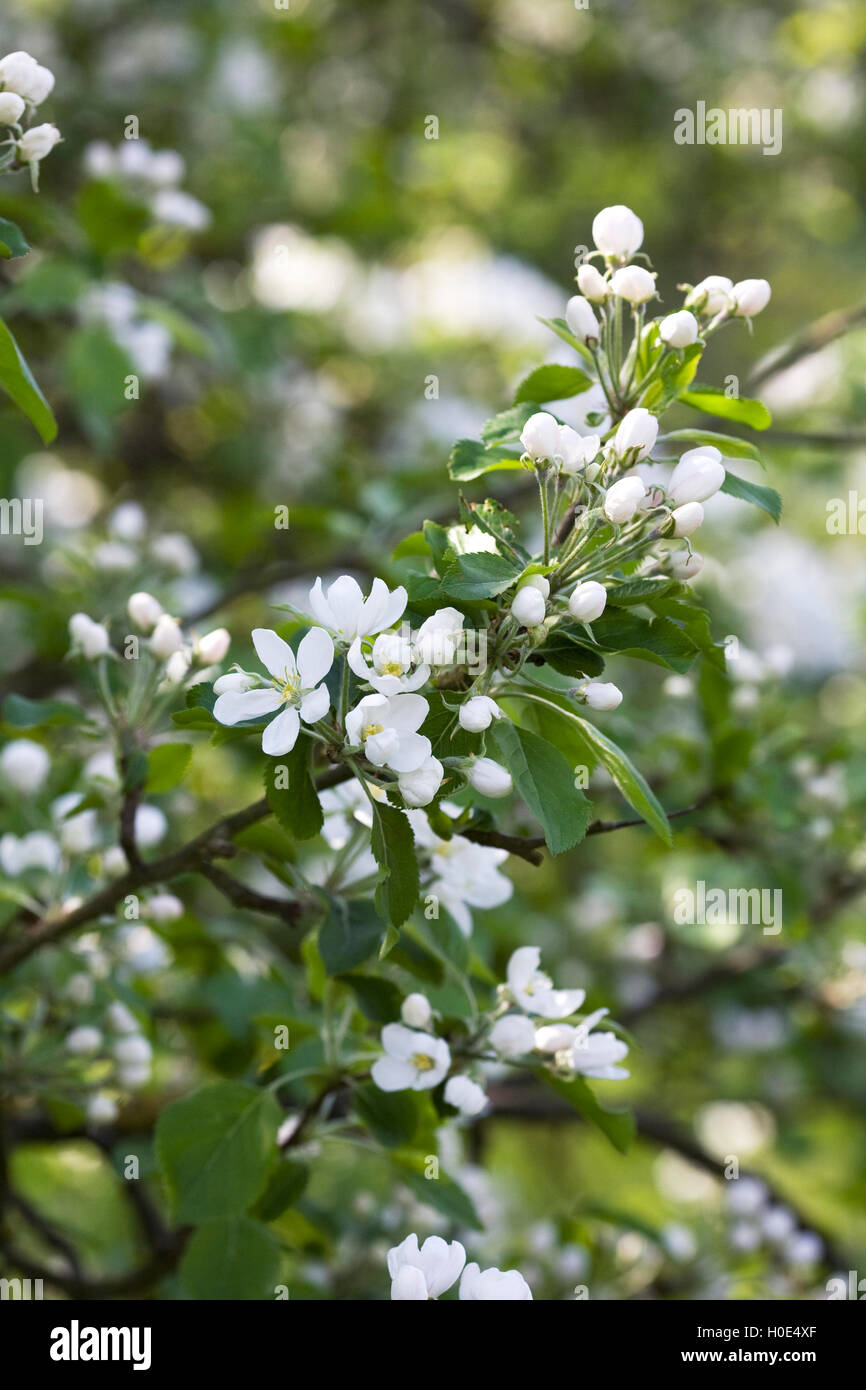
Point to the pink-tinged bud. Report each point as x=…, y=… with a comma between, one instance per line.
x=686, y=567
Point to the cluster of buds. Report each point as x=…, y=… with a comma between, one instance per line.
x=24, y=85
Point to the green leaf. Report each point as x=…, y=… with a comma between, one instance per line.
x=566, y=649
x=166, y=766
x=286, y=1186
x=111, y=220
x=441, y=1193
x=727, y=444
x=617, y=1125
x=23, y=713
x=216, y=1149
x=627, y=778
x=378, y=999
x=393, y=846
x=234, y=1259
x=12, y=241
x=392, y=1117
x=295, y=805
x=18, y=382
x=545, y=782
x=552, y=383
x=479, y=575
x=508, y=424
x=95, y=369
x=712, y=400
x=350, y=934
x=469, y=459
x=195, y=718
x=767, y=498
x=562, y=330
x=660, y=640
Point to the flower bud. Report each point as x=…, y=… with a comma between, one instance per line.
x=637, y=430
x=102, y=1109
x=20, y=73
x=144, y=610
x=540, y=437
x=685, y=566
x=750, y=297
x=528, y=606
x=177, y=666
x=235, y=681
x=587, y=601
x=211, y=649
x=513, y=1035
x=11, y=108
x=601, y=695
x=622, y=499
x=37, y=142
x=617, y=232
x=121, y=1018
x=633, y=283
x=711, y=296
x=465, y=1095
x=83, y=1041
x=698, y=475
x=687, y=518
x=133, y=1049
x=24, y=765
x=418, y=788
x=679, y=330
x=478, y=713
x=163, y=907
x=415, y=1011
x=489, y=778
x=591, y=284
x=90, y=639
x=580, y=317
x=167, y=637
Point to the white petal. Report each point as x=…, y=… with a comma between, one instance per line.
x=411, y=751
x=274, y=653
x=357, y=662
x=345, y=601
x=522, y=966
x=390, y=1074
x=320, y=606
x=315, y=657
x=237, y=705
x=407, y=712
x=408, y=1285
x=281, y=734
x=315, y=704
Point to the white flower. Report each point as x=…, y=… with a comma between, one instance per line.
x=592, y=284
x=512, y=1036
x=687, y=518
x=478, y=713
x=102, y=1109
x=745, y=1196
x=489, y=778
x=387, y=728
x=295, y=689
x=211, y=649
x=419, y=787
x=685, y=566
x=412, y=1060
x=11, y=108
x=470, y=540
x=750, y=297
x=637, y=430
x=804, y=1248
x=545, y=440
x=175, y=551
x=78, y=833
x=622, y=499
x=633, y=283
x=24, y=764
x=83, y=1041
x=603, y=695
x=464, y=874
x=167, y=637
x=175, y=208
x=37, y=142
x=679, y=330
x=409, y=1285
x=439, y=637
x=438, y=1262
x=89, y=639
x=579, y=314
x=711, y=296
x=465, y=1095
x=540, y=436
x=133, y=1050
x=393, y=658
x=587, y=601
x=177, y=666
x=144, y=610
x=778, y=1224
x=617, y=232
x=128, y=521
x=575, y=450
x=528, y=607
x=698, y=475
x=20, y=73
x=143, y=951
x=596, y=1054
x=415, y=1011
x=163, y=907
x=533, y=991
x=486, y=1285
x=38, y=850
x=347, y=613
x=150, y=826
x=122, y=1019
x=744, y=1236
x=234, y=681
x=79, y=988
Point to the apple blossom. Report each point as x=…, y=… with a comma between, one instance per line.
x=416, y=1012
x=580, y=317
x=492, y=1284
x=687, y=518
x=166, y=637
x=478, y=713
x=150, y=826
x=533, y=991
x=89, y=639
x=438, y=639
x=711, y=296
x=78, y=833
x=596, y=1054
x=37, y=850
x=601, y=695
x=163, y=907
x=679, y=330
x=587, y=601
x=622, y=499
x=528, y=606
x=20, y=73
x=133, y=1049
x=438, y=1262
x=37, y=142
x=687, y=565
x=122, y=1019
x=83, y=1041
x=11, y=108
x=409, y=1285
x=591, y=284
x=540, y=436
x=512, y=1036
x=638, y=429
x=24, y=764
x=617, y=232
x=698, y=475
x=633, y=283
x=297, y=688
x=465, y=1095
x=745, y=1196
x=102, y=1109
x=386, y=726
x=234, y=681
x=393, y=658
x=489, y=778
x=412, y=1060
x=419, y=786
x=211, y=649
x=750, y=297
x=144, y=610
x=348, y=614
x=576, y=451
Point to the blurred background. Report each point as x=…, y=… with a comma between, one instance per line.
x=340, y=276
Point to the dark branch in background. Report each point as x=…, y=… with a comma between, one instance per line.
x=818, y=335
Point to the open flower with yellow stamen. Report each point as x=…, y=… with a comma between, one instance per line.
x=294, y=689
x=393, y=658
x=412, y=1061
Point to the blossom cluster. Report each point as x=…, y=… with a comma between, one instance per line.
x=24, y=85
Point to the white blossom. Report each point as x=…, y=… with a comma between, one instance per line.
x=144, y=610
x=601, y=695
x=638, y=430
x=592, y=283
x=393, y=657
x=37, y=142
x=533, y=991
x=386, y=726
x=579, y=314
x=489, y=778
x=478, y=713
x=512, y=1036
x=465, y=1095
x=411, y=1061
x=687, y=518
x=89, y=639
x=750, y=297
x=296, y=690
x=633, y=283
x=347, y=613
x=83, y=1041
x=24, y=764
x=617, y=232
x=493, y=1284
x=711, y=296
x=622, y=499
x=698, y=475
x=438, y=638
x=437, y=1261
x=587, y=601
x=679, y=330
x=419, y=786
x=528, y=606
x=416, y=1012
